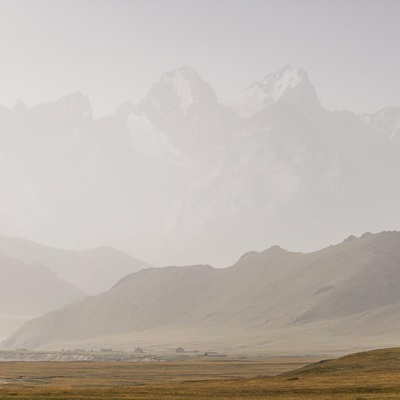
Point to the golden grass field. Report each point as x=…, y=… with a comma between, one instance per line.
x=370, y=375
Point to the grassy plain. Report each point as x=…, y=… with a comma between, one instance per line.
x=371, y=375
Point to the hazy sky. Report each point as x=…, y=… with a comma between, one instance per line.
x=113, y=50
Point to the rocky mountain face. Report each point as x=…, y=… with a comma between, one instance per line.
x=289, y=85
x=343, y=289
x=181, y=178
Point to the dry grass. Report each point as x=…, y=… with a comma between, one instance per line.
x=372, y=375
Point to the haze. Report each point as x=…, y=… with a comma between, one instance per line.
x=177, y=187
x=114, y=50
x=171, y=171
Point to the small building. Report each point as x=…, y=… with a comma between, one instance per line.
x=211, y=353
x=180, y=350
x=139, y=350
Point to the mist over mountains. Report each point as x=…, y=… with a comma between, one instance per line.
x=180, y=178
x=35, y=279
x=32, y=289
x=28, y=291
x=347, y=293
x=92, y=270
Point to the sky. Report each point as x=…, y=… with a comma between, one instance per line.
x=113, y=50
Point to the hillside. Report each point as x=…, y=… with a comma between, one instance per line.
x=27, y=291
x=375, y=361
x=93, y=271
x=273, y=297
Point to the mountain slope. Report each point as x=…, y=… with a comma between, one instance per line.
x=290, y=85
x=93, y=271
x=32, y=289
x=386, y=122
x=29, y=290
x=261, y=294
x=376, y=361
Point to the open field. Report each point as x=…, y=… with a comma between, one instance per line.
x=371, y=375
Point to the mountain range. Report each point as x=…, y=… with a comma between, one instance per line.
x=29, y=290
x=35, y=279
x=92, y=271
x=343, y=295
x=180, y=178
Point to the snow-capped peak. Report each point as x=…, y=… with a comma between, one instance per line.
x=276, y=84
x=385, y=122
x=288, y=84
x=180, y=80
x=178, y=90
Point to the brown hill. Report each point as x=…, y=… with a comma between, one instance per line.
x=264, y=297
x=381, y=360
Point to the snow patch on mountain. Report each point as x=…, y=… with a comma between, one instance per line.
x=385, y=122
x=180, y=93
x=182, y=88
x=288, y=84
x=146, y=138
x=276, y=84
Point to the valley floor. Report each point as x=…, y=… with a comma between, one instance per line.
x=369, y=377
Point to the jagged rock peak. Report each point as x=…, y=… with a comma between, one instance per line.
x=279, y=84
x=178, y=90
x=19, y=107
x=285, y=79
x=76, y=101
x=185, y=71
x=288, y=84
x=385, y=122
x=73, y=109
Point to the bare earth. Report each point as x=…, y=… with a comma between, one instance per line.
x=369, y=375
